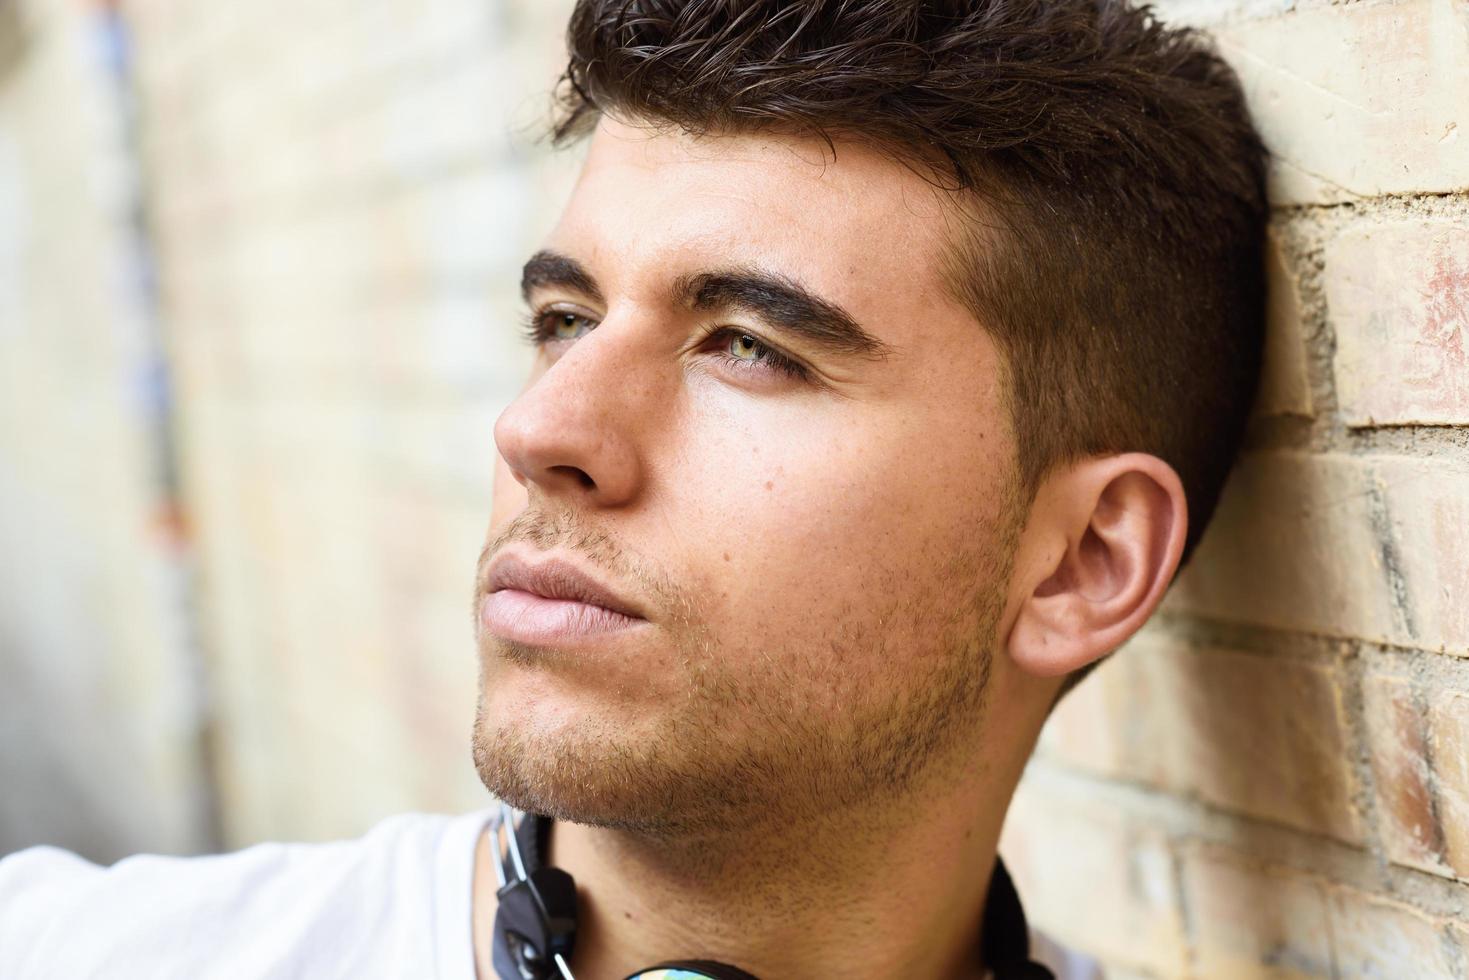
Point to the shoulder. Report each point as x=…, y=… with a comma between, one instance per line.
x=397, y=895
x=1063, y=962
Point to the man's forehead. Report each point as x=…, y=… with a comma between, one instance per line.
x=847, y=220
x=838, y=170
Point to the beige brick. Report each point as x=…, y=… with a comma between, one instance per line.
x=1379, y=938
x=1342, y=546
x=1285, y=388
x=1398, y=747
x=1292, y=546
x=1249, y=922
x=1100, y=727
x=1426, y=507
x=1253, y=734
x=1449, y=724
x=1257, y=735
x=1398, y=294
x=1082, y=731
x=1094, y=883
x=1358, y=100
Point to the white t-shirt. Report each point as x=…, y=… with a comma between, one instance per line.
x=395, y=903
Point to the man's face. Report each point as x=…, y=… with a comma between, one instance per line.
x=819, y=553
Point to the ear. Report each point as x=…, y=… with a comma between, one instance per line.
x=1101, y=545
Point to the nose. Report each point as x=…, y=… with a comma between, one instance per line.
x=574, y=432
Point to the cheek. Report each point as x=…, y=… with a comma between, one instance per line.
x=818, y=526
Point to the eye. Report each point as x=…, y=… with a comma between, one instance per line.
x=744, y=347
x=747, y=352
x=544, y=326
x=740, y=350
x=565, y=325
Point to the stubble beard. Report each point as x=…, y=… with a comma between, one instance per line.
x=740, y=752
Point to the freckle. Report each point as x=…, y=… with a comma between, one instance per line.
x=726, y=556
x=768, y=484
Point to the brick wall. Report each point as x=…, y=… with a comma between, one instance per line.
x=341, y=195
x=1273, y=779
x=99, y=702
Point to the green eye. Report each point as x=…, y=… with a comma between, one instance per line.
x=745, y=348
x=748, y=353
x=566, y=326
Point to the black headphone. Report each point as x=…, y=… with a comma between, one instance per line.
x=535, y=923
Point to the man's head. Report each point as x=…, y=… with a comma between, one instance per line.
x=891, y=357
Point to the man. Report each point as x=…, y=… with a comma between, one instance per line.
x=890, y=358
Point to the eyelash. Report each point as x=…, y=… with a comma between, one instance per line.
x=537, y=329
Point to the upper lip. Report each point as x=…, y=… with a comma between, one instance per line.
x=555, y=578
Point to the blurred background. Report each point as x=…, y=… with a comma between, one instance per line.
x=258, y=276
x=259, y=269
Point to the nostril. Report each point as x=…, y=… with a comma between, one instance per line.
x=578, y=473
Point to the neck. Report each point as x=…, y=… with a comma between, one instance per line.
x=881, y=892
x=854, y=898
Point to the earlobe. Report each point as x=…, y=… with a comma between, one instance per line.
x=1104, y=539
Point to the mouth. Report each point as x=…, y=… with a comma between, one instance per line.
x=541, y=603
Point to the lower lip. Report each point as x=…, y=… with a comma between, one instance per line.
x=524, y=617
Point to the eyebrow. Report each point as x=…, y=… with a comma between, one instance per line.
x=778, y=300
x=547, y=268
x=783, y=303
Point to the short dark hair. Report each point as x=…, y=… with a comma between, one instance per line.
x=1120, y=269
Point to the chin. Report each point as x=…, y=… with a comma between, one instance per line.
x=547, y=744
x=559, y=770
x=562, y=750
